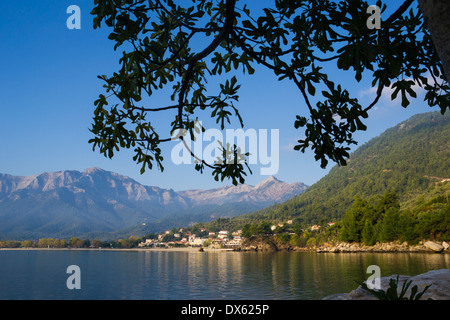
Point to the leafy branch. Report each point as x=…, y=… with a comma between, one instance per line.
x=172, y=50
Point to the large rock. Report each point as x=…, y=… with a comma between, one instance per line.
x=436, y=247
x=438, y=279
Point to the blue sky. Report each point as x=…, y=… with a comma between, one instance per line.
x=48, y=83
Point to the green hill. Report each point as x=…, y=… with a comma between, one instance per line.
x=408, y=158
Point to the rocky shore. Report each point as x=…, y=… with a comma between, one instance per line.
x=344, y=247
x=428, y=246
x=438, y=279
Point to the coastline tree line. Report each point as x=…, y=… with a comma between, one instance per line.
x=382, y=218
x=71, y=243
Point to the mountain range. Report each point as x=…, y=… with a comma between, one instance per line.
x=72, y=203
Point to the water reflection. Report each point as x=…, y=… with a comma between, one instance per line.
x=233, y=275
x=215, y=275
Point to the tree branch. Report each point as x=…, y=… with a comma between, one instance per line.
x=224, y=32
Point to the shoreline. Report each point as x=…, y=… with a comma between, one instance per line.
x=425, y=247
x=338, y=247
x=242, y=250
x=188, y=249
x=345, y=247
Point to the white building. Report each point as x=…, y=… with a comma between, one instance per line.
x=223, y=234
x=197, y=241
x=237, y=241
x=148, y=242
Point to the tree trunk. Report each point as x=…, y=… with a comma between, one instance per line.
x=437, y=14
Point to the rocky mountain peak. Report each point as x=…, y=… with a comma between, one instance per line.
x=93, y=170
x=268, y=181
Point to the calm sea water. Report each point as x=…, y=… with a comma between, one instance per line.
x=170, y=275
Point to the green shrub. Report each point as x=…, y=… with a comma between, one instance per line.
x=392, y=294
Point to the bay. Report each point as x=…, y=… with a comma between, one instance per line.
x=193, y=275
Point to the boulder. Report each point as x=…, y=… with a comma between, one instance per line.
x=436, y=247
x=445, y=245
x=438, y=279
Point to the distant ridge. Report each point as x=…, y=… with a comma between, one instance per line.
x=72, y=203
x=268, y=190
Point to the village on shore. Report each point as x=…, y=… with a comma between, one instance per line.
x=205, y=238
x=221, y=239
x=237, y=242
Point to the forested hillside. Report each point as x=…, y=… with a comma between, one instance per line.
x=408, y=158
